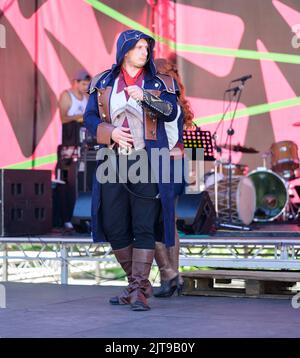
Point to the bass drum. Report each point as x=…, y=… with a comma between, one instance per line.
x=271, y=194
x=242, y=199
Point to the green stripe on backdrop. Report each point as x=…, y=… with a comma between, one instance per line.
x=245, y=54
x=250, y=111
x=28, y=164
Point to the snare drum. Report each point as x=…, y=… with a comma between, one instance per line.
x=271, y=194
x=285, y=158
x=236, y=169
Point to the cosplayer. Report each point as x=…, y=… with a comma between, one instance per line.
x=131, y=109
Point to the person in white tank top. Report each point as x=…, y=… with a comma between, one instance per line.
x=72, y=105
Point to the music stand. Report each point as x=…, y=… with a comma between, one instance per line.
x=193, y=141
x=198, y=139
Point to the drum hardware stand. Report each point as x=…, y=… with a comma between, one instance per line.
x=264, y=156
x=234, y=226
x=217, y=165
x=290, y=211
x=230, y=133
x=229, y=225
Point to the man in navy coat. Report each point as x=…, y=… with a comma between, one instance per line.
x=133, y=109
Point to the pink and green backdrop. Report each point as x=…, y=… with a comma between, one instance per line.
x=215, y=42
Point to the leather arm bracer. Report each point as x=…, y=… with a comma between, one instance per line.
x=155, y=103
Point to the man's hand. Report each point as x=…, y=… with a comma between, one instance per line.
x=121, y=136
x=79, y=120
x=135, y=92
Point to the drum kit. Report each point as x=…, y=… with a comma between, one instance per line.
x=261, y=195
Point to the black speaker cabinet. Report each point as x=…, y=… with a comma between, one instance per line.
x=82, y=209
x=195, y=213
x=25, y=202
x=81, y=218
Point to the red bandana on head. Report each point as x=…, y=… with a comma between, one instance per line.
x=130, y=81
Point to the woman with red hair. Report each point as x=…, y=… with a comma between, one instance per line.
x=167, y=259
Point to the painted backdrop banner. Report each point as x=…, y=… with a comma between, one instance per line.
x=43, y=42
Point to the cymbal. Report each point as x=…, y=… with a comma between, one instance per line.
x=296, y=124
x=240, y=148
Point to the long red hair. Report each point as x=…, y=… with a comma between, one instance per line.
x=169, y=68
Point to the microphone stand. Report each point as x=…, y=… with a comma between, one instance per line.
x=218, y=149
x=230, y=133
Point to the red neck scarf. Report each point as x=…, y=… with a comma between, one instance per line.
x=130, y=81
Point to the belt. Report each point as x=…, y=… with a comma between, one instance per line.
x=126, y=151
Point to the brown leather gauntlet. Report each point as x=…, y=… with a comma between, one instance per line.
x=104, y=131
x=154, y=103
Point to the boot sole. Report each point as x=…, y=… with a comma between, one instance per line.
x=139, y=306
x=167, y=293
x=140, y=309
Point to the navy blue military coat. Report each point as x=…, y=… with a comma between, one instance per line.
x=92, y=118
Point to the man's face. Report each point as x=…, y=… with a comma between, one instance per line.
x=138, y=55
x=82, y=86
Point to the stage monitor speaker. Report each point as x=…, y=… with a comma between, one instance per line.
x=82, y=211
x=25, y=202
x=85, y=176
x=195, y=213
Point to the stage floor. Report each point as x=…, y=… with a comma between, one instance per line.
x=49, y=310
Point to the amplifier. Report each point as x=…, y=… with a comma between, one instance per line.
x=25, y=202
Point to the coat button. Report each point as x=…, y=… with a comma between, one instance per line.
x=153, y=132
x=100, y=104
x=153, y=120
x=156, y=85
x=104, y=115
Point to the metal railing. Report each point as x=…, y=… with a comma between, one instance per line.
x=250, y=253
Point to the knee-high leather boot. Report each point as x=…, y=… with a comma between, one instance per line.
x=124, y=257
x=141, y=287
x=168, y=276
x=173, y=254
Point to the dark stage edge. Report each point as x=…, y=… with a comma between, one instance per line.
x=260, y=231
x=257, y=230
x=49, y=310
